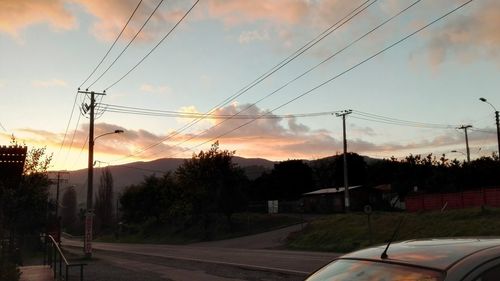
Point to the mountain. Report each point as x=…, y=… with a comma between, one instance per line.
x=133, y=173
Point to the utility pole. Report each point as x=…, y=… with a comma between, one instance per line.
x=87, y=247
x=498, y=131
x=465, y=127
x=58, y=179
x=346, y=184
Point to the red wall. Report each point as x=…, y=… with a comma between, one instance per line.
x=459, y=200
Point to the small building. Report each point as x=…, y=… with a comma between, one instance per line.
x=331, y=200
x=12, y=160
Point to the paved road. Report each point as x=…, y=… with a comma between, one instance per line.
x=238, y=254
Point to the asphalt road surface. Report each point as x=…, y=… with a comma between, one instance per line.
x=234, y=259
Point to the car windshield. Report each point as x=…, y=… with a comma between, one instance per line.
x=353, y=270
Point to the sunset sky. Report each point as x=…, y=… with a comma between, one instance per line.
x=433, y=79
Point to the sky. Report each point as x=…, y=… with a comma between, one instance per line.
x=408, y=99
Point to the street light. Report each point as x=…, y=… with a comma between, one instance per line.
x=497, y=122
x=87, y=245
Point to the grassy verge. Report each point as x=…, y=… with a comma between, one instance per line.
x=347, y=232
x=243, y=224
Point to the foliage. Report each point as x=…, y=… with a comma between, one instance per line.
x=104, y=201
x=287, y=181
x=152, y=199
x=211, y=182
x=23, y=208
x=68, y=208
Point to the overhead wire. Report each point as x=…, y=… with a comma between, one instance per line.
x=114, y=43
x=342, y=73
x=389, y=120
x=180, y=114
x=310, y=69
x=264, y=76
x=128, y=45
x=67, y=126
x=156, y=46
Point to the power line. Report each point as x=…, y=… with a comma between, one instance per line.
x=389, y=120
x=154, y=48
x=126, y=47
x=81, y=150
x=67, y=126
x=340, y=74
x=110, y=48
x=483, y=131
x=168, y=113
x=264, y=76
x=309, y=70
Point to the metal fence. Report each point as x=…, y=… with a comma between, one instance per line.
x=54, y=257
x=459, y=200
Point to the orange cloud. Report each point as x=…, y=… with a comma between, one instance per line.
x=109, y=24
x=469, y=36
x=243, y=11
x=16, y=15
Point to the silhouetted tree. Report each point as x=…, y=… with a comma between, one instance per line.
x=290, y=179
x=68, y=208
x=154, y=198
x=104, y=201
x=211, y=182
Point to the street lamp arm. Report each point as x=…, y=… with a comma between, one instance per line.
x=110, y=133
x=486, y=101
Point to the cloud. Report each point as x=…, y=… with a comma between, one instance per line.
x=109, y=24
x=255, y=35
x=242, y=11
x=3, y=84
x=468, y=36
x=49, y=83
x=148, y=88
x=16, y=15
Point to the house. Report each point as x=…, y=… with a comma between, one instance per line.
x=331, y=200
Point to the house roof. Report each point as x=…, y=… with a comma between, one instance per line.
x=330, y=190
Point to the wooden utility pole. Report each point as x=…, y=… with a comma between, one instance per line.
x=87, y=247
x=346, y=183
x=465, y=127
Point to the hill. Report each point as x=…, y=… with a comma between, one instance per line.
x=133, y=173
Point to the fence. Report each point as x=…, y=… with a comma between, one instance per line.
x=459, y=200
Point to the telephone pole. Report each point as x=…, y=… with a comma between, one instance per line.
x=465, y=127
x=346, y=184
x=58, y=180
x=87, y=247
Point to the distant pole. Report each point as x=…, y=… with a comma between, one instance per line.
x=498, y=131
x=465, y=127
x=346, y=183
x=57, y=195
x=87, y=247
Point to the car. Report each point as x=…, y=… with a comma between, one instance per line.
x=440, y=259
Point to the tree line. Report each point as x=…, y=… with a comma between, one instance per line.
x=210, y=185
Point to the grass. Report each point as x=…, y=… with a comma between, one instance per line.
x=243, y=224
x=347, y=232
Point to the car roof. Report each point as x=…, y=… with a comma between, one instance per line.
x=439, y=253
